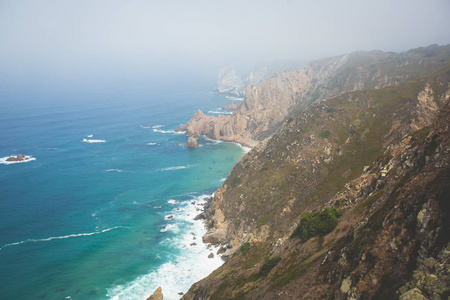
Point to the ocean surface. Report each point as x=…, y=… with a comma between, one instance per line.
x=104, y=208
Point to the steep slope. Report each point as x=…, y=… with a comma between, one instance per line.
x=382, y=157
x=267, y=105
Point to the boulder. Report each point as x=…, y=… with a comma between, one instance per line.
x=211, y=255
x=157, y=294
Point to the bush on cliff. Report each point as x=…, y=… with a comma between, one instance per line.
x=268, y=266
x=317, y=223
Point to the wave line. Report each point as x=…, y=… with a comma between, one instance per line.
x=59, y=237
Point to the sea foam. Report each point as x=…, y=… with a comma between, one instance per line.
x=176, y=168
x=189, y=267
x=93, y=141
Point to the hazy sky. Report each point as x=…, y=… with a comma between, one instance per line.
x=67, y=38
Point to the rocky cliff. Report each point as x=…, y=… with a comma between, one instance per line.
x=269, y=103
x=379, y=157
x=229, y=83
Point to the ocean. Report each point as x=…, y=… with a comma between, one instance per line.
x=105, y=206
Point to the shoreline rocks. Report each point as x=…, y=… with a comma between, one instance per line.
x=19, y=157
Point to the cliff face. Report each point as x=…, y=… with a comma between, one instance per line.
x=269, y=103
x=381, y=156
x=229, y=83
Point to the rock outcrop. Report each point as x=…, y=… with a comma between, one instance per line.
x=19, y=157
x=192, y=142
x=230, y=107
x=382, y=157
x=157, y=295
x=229, y=83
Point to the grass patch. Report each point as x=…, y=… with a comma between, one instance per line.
x=318, y=223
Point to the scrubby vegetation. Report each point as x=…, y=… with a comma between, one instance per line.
x=244, y=248
x=317, y=223
x=268, y=266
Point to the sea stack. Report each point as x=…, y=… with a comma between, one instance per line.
x=192, y=142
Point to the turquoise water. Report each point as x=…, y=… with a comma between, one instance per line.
x=105, y=211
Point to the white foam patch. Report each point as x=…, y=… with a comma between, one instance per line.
x=234, y=98
x=223, y=180
x=168, y=131
x=59, y=237
x=152, y=126
x=4, y=161
x=171, y=201
x=176, y=168
x=189, y=267
x=170, y=227
x=152, y=144
x=90, y=135
x=220, y=112
x=93, y=141
x=244, y=148
x=114, y=170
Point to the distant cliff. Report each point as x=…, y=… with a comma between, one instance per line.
x=373, y=162
x=269, y=103
x=229, y=83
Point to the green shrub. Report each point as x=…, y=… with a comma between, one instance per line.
x=268, y=266
x=325, y=134
x=244, y=248
x=317, y=223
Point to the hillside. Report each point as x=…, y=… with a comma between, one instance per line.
x=374, y=160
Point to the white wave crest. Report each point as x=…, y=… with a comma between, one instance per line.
x=93, y=141
x=90, y=135
x=152, y=144
x=168, y=131
x=171, y=201
x=59, y=237
x=4, y=161
x=114, y=170
x=176, y=168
